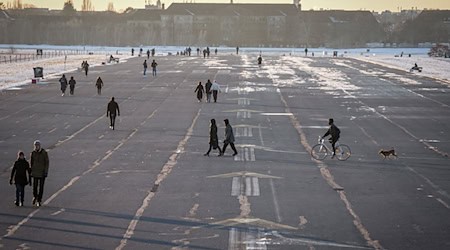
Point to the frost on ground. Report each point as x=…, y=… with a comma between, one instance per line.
x=21, y=73
x=433, y=67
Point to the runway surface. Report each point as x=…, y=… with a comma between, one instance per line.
x=147, y=185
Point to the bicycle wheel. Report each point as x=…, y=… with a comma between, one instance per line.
x=319, y=152
x=343, y=152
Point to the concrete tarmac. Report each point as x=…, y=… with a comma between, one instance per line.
x=147, y=185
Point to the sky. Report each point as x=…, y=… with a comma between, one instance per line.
x=372, y=5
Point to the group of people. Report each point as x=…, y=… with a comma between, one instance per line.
x=31, y=173
x=214, y=139
x=153, y=65
x=211, y=88
x=63, y=82
x=85, y=67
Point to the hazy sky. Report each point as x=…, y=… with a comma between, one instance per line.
x=377, y=5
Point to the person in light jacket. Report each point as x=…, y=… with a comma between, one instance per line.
x=215, y=90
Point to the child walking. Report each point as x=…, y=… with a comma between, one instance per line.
x=21, y=173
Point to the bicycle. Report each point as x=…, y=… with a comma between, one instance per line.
x=320, y=151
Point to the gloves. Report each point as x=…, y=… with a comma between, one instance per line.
x=10, y=182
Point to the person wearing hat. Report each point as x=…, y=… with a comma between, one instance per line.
x=229, y=138
x=39, y=171
x=21, y=174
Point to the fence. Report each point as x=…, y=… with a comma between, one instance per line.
x=14, y=58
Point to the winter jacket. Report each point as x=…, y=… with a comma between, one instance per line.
x=229, y=136
x=113, y=108
x=99, y=83
x=213, y=139
x=333, y=131
x=39, y=163
x=72, y=83
x=21, y=172
x=63, y=82
x=208, y=86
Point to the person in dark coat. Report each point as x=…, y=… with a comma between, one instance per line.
x=154, y=64
x=132, y=52
x=21, y=174
x=72, y=83
x=99, y=85
x=86, y=68
x=39, y=171
x=335, y=134
x=148, y=54
x=213, y=139
x=112, y=111
x=208, y=91
x=199, y=90
x=63, y=82
x=145, y=67
x=229, y=138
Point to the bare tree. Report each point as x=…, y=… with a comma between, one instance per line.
x=111, y=7
x=87, y=6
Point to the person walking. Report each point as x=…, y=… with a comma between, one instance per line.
x=99, y=85
x=39, y=171
x=21, y=174
x=63, y=82
x=229, y=138
x=154, y=64
x=208, y=91
x=86, y=68
x=213, y=139
x=72, y=83
x=145, y=67
x=111, y=112
x=148, y=54
x=199, y=90
x=215, y=90
x=260, y=60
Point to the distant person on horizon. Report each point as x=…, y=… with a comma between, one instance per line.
x=112, y=111
x=306, y=51
x=72, y=83
x=132, y=52
x=259, y=60
x=63, y=82
x=237, y=50
x=199, y=90
x=148, y=54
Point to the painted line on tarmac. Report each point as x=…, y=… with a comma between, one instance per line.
x=329, y=178
x=97, y=163
x=165, y=171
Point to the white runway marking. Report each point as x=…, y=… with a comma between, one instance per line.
x=244, y=132
x=246, y=154
x=165, y=171
x=248, y=186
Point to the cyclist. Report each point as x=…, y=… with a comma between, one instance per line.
x=335, y=134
